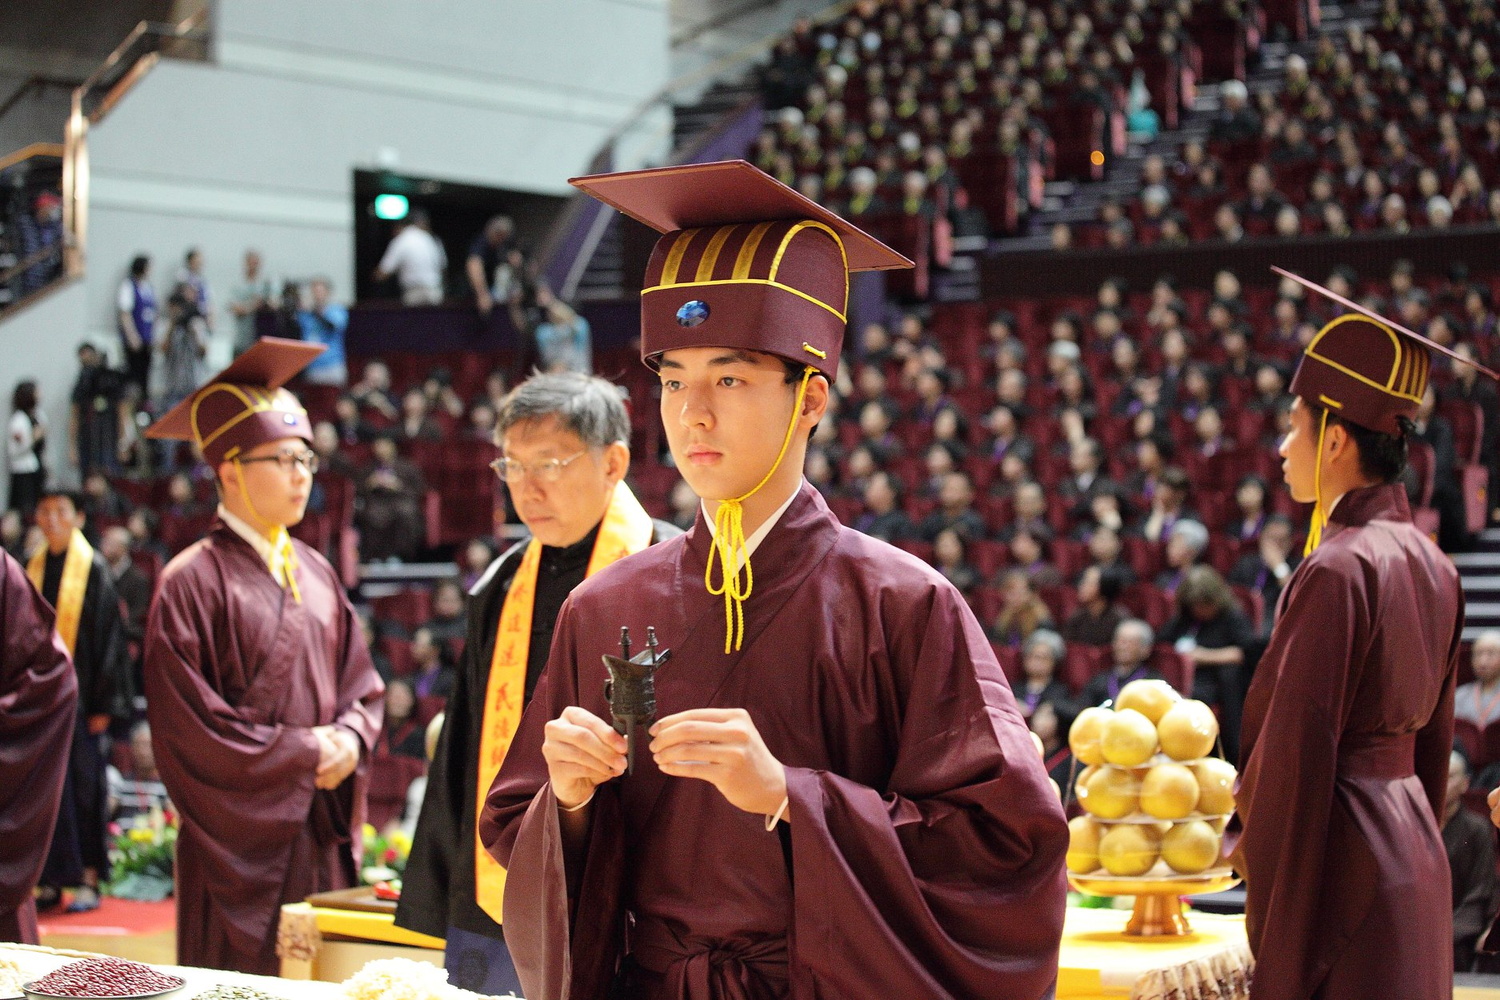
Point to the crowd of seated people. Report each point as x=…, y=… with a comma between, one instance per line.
x=1071, y=464
x=910, y=109
x=1390, y=129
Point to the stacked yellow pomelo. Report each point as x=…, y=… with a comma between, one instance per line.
x=1156, y=801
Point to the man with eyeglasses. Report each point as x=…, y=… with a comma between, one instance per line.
x=262, y=698
x=563, y=439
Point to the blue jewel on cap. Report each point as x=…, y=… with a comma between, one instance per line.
x=692, y=313
x=289, y=418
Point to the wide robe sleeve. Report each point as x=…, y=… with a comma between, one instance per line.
x=38, y=697
x=1315, y=659
x=949, y=881
x=243, y=780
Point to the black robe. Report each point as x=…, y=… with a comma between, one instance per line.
x=101, y=658
x=924, y=858
x=237, y=675
x=438, y=887
x=38, y=695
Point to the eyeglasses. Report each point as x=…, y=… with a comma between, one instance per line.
x=286, y=459
x=550, y=471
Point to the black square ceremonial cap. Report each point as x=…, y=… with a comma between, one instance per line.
x=744, y=261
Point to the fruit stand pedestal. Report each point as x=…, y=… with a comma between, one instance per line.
x=1099, y=961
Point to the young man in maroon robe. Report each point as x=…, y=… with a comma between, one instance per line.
x=1349, y=721
x=38, y=698
x=564, y=441
x=263, y=701
x=839, y=796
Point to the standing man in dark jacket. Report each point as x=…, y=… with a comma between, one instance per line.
x=563, y=438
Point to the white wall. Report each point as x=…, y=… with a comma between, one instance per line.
x=258, y=147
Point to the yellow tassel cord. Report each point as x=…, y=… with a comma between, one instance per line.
x=1319, y=515
x=281, y=542
x=729, y=540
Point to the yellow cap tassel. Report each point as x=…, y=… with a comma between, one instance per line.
x=281, y=542
x=1319, y=515
x=729, y=540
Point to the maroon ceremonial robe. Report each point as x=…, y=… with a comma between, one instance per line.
x=237, y=673
x=38, y=697
x=925, y=859
x=1348, y=727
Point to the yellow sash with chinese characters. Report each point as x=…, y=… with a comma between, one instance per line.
x=71, y=588
x=625, y=530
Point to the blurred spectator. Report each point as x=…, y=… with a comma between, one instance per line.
x=1051, y=722
x=416, y=418
x=324, y=322
x=145, y=526
x=1267, y=568
x=97, y=411
x=1021, y=613
x=25, y=445
x=447, y=623
x=488, y=265
x=883, y=517
x=13, y=534
x=950, y=557
x=1433, y=429
x=432, y=673
x=249, y=297
x=1211, y=630
x=101, y=503
x=1028, y=551
x=41, y=238
x=955, y=510
x=1470, y=845
x=1130, y=650
x=1185, y=543
x=137, y=790
x=402, y=737
x=1469, y=388
x=1262, y=202
x=417, y=260
x=191, y=274
x=389, y=513
x=477, y=556
x=135, y=306
x=1168, y=505
x=183, y=348
x=1250, y=496
x=1478, y=702
x=1099, y=613
x=1236, y=121
x=563, y=339
x=130, y=583
x=373, y=391
x=1041, y=657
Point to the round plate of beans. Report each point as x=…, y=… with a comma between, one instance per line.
x=103, y=979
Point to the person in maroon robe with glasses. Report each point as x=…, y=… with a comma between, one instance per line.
x=38, y=698
x=263, y=702
x=1348, y=723
x=838, y=796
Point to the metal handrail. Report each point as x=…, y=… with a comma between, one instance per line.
x=27, y=263
x=141, y=49
x=605, y=153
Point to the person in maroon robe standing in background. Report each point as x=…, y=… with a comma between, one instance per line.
x=1349, y=721
x=38, y=698
x=264, y=704
x=839, y=797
